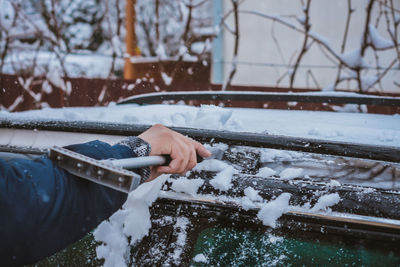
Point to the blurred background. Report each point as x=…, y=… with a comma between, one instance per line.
x=90, y=52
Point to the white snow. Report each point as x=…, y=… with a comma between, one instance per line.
x=326, y=201
x=290, y=173
x=90, y=65
x=377, y=40
x=133, y=221
x=272, y=155
x=354, y=127
x=212, y=165
x=247, y=204
x=200, y=258
x=252, y=194
x=353, y=58
x=181, y=235
x=272, y=210
x=368, y=81
x=266, y=172
x=223, y=180
x=185, y=185
x=167, y=79
x=334, y=183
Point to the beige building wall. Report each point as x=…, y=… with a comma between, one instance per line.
x=262, y=61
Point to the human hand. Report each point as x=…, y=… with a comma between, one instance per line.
x=182, y=150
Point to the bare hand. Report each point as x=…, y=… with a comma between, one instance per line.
x=181, y=149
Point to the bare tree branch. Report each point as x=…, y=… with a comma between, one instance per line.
x=304, y=47
x=228, y=82
x=350, y=11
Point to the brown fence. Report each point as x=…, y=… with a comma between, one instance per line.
x=18, y=94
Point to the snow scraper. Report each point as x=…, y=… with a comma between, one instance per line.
x=112, y=173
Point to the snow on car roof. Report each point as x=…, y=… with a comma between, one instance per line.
x=361, y=128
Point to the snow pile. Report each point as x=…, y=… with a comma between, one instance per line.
x=223, y=180
x=271, y=211
x=290, y=173
x=132, y=221
x=185, y=185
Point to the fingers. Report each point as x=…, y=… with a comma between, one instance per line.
x=201, y=150
x=182, y=150
x=181, y=155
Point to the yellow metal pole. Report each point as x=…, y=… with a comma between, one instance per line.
x=130, y=19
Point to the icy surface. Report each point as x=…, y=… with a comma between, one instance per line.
x=349, y=127
x=132, y=221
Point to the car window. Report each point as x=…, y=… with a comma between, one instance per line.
x=233, y=247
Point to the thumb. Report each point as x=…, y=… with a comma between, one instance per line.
x=201, y=150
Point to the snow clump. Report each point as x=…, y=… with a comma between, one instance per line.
x=274, y=209
x=223, y=180
x=212, y=165
x=132, y=221
x=200, y=258
x=185, y=185
x=266, y=172
x=353, y=59
x=326, y=201
x=290, y=173
x=252, y=194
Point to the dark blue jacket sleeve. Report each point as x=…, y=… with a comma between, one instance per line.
x=44, y=208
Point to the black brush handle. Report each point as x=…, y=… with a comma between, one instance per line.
x=168, y=159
